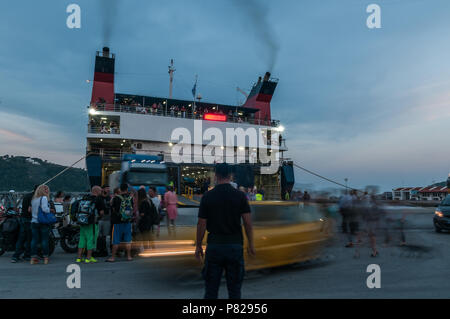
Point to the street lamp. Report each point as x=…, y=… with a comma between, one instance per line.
x=346, y=187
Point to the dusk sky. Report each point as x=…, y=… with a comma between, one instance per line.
x=372, y=105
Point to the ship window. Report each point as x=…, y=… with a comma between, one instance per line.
x=104, y=124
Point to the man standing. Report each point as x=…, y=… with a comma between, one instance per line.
x=220, y=212
x=104, y=224
x=157, y=202
x=93, y=206
x=345, y=205
x=121, y=218
x=23, y=245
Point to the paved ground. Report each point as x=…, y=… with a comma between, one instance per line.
x=419, y=270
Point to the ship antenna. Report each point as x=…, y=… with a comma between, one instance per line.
x=171, y=72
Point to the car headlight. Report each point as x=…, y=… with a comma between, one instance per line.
x=438, y=213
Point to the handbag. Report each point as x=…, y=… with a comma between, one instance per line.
x=45, y=218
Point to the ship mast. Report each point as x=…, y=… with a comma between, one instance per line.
x=171, y=72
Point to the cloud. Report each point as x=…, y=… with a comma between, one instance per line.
x=14, y=137
x=21, y=135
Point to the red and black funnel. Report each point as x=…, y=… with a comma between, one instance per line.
x=261, y=96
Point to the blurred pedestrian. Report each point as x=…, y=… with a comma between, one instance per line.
x=153, y=195
x=251, y=194
x=148, y=217
x=345, y=206
x=66, y=209
x=104, y=223
x=170, y=202
x=353, y=219
x=370, y=216
x=220, y=213
x=59, y=198
x=306, y=197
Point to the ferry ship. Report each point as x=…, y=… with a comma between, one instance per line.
x=135, y=130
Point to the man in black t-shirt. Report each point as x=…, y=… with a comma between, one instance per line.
x=220, y=213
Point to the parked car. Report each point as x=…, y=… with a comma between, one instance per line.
x=442, y=215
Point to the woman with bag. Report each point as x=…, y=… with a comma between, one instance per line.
x=41, y=222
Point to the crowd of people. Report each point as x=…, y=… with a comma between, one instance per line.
x=103, y=126
x=362, y=215
x=184, y=111
x=125, y=216
x=252, y=193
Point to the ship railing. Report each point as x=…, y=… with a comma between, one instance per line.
x=103, y=130
x=109, y=154
x=188, y=114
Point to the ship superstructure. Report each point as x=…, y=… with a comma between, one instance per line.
x=121, y=124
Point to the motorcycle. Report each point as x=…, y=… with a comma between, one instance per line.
x=9, y=233
x=66, y=232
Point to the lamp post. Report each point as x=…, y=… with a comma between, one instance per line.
x=346, y=187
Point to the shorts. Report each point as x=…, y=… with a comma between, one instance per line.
x=88, y=237
x=104, y=228
x=121, y=233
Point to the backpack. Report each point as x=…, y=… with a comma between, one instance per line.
x=126, y=208
x=156, y=218
x=86, y=212
x=73, y=210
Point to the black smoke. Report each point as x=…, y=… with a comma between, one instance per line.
x=256, y=15
x=108, y=14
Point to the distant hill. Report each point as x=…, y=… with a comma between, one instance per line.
x=22, y=173
x=441, y=184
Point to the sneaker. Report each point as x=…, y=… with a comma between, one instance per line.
x=91, y=260
x=34, y=261
x=79, y=260
x=14, y=260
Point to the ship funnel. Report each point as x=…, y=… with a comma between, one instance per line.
x=103, y=87
x=106, y=52
x=260, y=97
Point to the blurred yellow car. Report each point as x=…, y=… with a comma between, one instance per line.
x=284, y=233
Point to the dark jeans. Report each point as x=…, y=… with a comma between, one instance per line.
x=23, y=244
x=40, y=234
x=220, y=257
